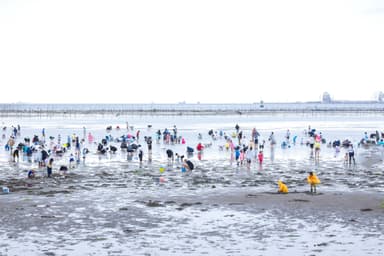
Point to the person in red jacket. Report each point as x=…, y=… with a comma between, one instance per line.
x=200, y=147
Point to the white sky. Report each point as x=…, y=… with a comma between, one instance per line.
x=96, y=51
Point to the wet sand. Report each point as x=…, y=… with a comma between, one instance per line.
x=102, y=209
x=220, y=222
x=335, y=202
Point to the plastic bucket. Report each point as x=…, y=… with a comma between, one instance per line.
x=5, y=190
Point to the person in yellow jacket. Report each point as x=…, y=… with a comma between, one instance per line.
x=282, y=187
x=313, y=180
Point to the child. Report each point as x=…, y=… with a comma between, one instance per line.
x=71, y=161
x=177, y=160
x=313, y=180
x=31, y=174
x=226, y=146
x=237, y=155
x=63, y=169
x=241, y=158
x=261, y=146
x=249, y=156
x=260, y=156
x=282, y=187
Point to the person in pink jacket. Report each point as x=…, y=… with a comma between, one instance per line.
x=260, y=156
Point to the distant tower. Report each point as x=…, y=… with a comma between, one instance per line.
x=326, y=98
x=380, y=98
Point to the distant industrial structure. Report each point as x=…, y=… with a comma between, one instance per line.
x=326, y=98
x=380, y=97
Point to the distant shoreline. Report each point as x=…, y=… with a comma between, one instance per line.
x=188, y=109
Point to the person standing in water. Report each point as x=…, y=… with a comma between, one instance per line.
x=149, y=144
x=255, y=136
x=351, y=154
x=260, y=156
x=140, y=155
x=237, y=155
x=237, y=127
x=49, y=167
x=84, y=133
x=288, y=136
x=317, y=146
x=311, y=142
x=240, y=136
x=249, y=154
x=313, y=180
x=11, y=142
x=90, y=138
x=381, y=147
x=170, y=156
x=15, y=155
x=272, y=139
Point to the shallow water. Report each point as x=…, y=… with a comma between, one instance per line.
x=103, y=206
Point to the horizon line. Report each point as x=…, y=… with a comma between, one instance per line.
x=191, y=103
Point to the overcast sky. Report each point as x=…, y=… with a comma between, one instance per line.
x=96, y=51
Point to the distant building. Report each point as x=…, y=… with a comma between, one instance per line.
x=326, y=98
